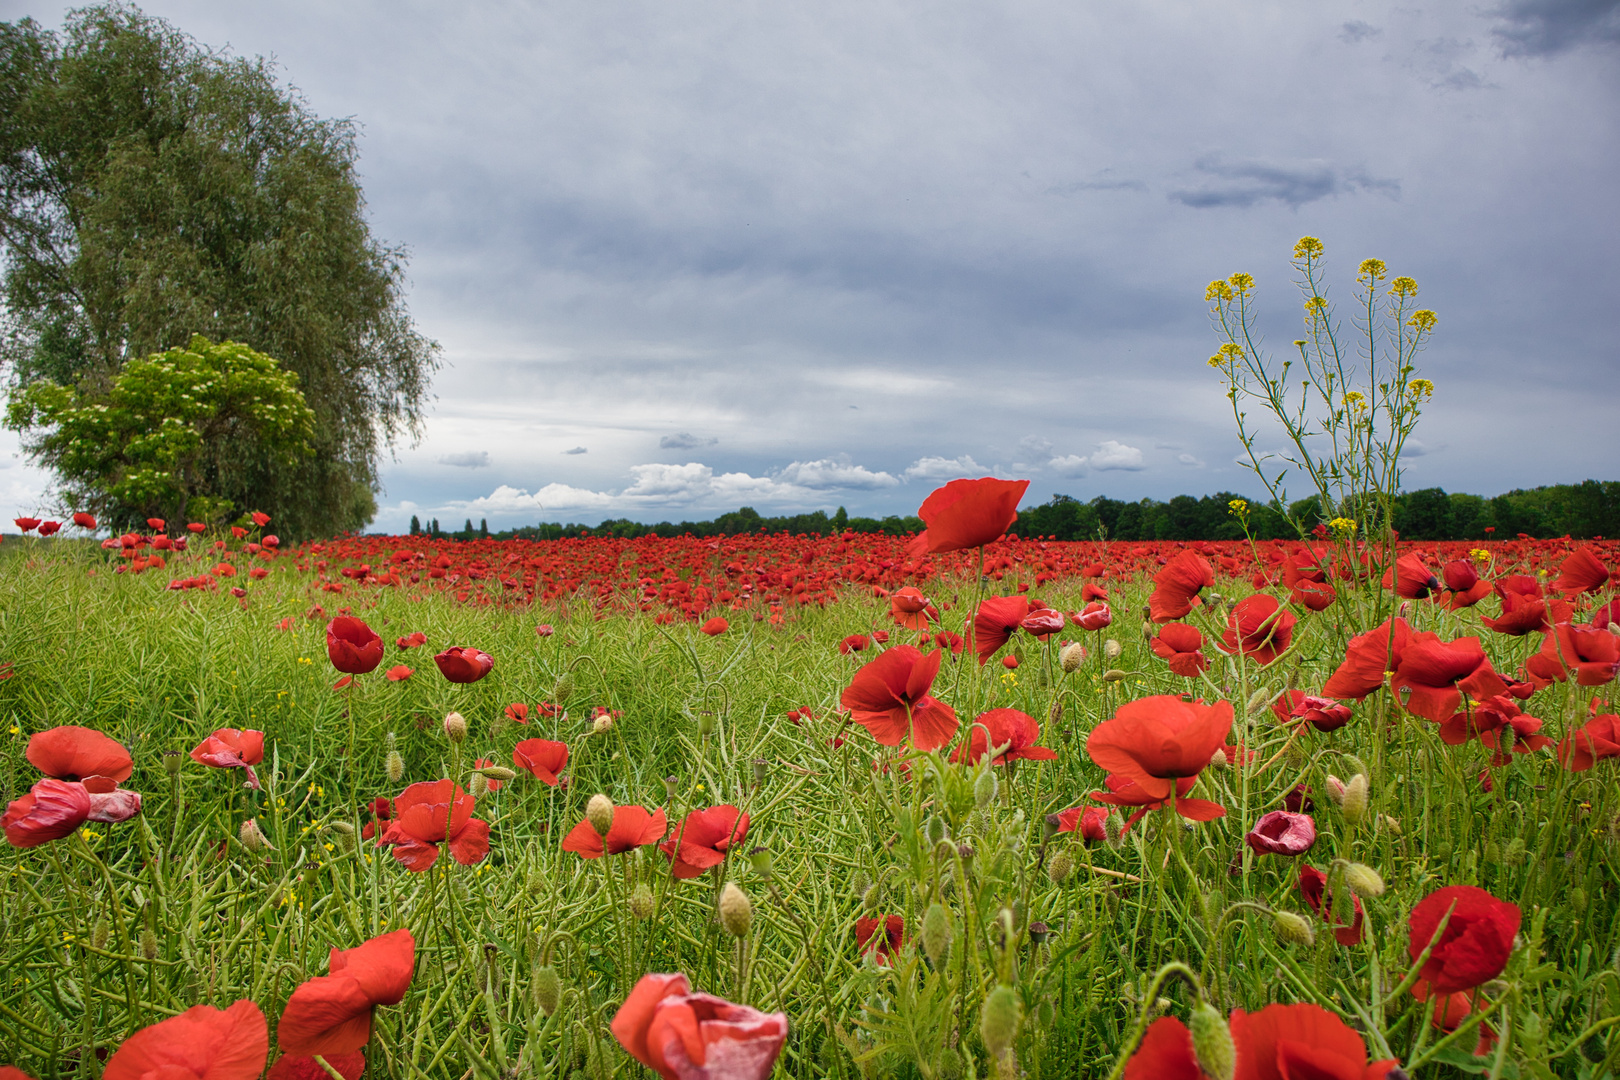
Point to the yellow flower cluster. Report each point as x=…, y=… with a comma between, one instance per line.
x=1371, y=270
x=1308, y=247
x=1403, y=286
x=1227, y=354
x=1420, y=389
x=1422, y=320
x=1238, y=507
x=1356, y=400
x=1241, y=283
x=1218, y=290
x=1342, y=526
x=1480, y=555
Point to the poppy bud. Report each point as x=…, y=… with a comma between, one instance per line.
x=935, y=829
x=1114, y=675
x=1218, y=760
x=1212, y=1042
x=498, y=772
x=1112, y=649
x=479, y=785
x=1292, y=929
x=871, y=897
x=1258, y=700
x=859, y=884
x=760, y=858
x=395, y=767
x=641, y=901
x=999, y=1020
x=547, y=989
x=936, y=934
x=1577, y=899
x=599, y=812
x=253, y=839
x=984, y=789
x=1363, y=880
x=1335, y=788
x=344, y=833
x=1072, y=656
x=99, y=932
x=1054, y=715
x=1512, y=853
x=1354, y=804
x=149, y=943
x=455, y=727
x=1113, y=829
x=602, y=724
x=563, y=688
x=171, y=762
x=1059, y=869
x=736, y=912
x=1148, y=630
x=761, y=770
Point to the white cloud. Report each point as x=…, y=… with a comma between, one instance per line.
x=1069, y=465
x=1190, y=461
x=828, y=473
x=938, y=468
x=684, y=441
x=1036, y=448
x=1112, y=454
x=467, y=459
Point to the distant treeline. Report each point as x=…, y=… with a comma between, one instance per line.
x=1581, y=510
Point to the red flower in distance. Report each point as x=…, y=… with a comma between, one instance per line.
x=1524, y=608
x=1581, y=572
x=1597, y=739
x=84, y=520
x=1313, y=887
x=967, y=514
x=1090, y=822
x=1487, y=720
x=1282, y=833
x=51, y=810
x=229, y=748
x=1125, y=792
x=398, y=673
x=1366, y=660
x=1592, y=655
x=1095, y=616
x=70, y=752
x=517, y=712
x=1177, y=585
x=715, y=626
x=1259, y=627
x=331, y=1014
x=1437, y=674
x=196, y=527
x=882, y=946
x=260, y=519
x=544, y=759
x=155, y=524
x=422, y=813
x=633, y=827
x=1155, y=740
x=353, y=647
x=1092, y=591
x=1182, y=646
x=1322, y=713
x=464, y=664
x=1280, y=1042
x=26, y=524
x=411, y=641
x=703, y=839
x=51, y=528
x=685, y=1036
x=1007, y=727
x=1477, y=941
x=890, y=698
x=202, y=1043
x=853, y=643
x=909, y=608
x=304, y=1067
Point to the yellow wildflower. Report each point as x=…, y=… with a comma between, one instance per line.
x=1356, y=400
x=1242, y=283
x=1218, y=290
x=1342, y=526
x=1371, y=270
x=1420, y=389
x=1422, y=320
x=1238, y=507
x=1308, y=247
x=1403, y=286
x=1480, y=555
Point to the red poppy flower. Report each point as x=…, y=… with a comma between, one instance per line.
x=1438, y=673
x=69, y=752
x=411, y=641
x=1165, y=1053
x=714, y=626
x=352, y=646
x=853, y=643
x=1095, y=616
x=633, y=827
x=11, y=1072
x=382, y=810
x=110, y=803
x=1323, y=714
x=1581, y=572
x=1488, y=720
x=1449, y=1012
x=1313, y=887
x=1177, y=585
x=1089, y=821
x=202, y=1043
x=196, y=527
x=1282, y=833
x=26, y=524
x=967, y=514
x=421, y=813
x=1597, y=739
x=464, y=664
x=51, y=528
x=882, y=946
x=1092, y=591
x=703, y=839
x=229, y=748
x=155, y=524
x=1260, y=627
x=398, y=673
x=1280, y=1042
x=517, y=712
x=909, y=608
x=84, y=520
x=304, y=1067
x=544, y=630
x=1042, y=622
x=889, y=697
x=685, y=1036
x=1125, y=792
x=1181, y=645
x=947, y=640
x=1592, y=654
x=1524, y=608
x=1463, y=582
x=1367, y=659
x=51, y=810
x=1155, y=740
x=1010, y=728
x=542, y=758
x=260, y=519
x=331, y=1014
x=1477, y=941
x=1410, y=578
x=995, y=622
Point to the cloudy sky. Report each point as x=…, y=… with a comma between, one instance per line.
x=687, y=257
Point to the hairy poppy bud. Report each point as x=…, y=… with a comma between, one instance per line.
x=498, y=772
x=344, y=833
x=99, y=932
x=1112, y=649
x=602, y=724
x=999, y=1020
x=1059, y=869
x=736, y=912
x=1217, y=760
x=395, y=766
x=599, y=812
x=1212, y=1042
x=936, y=934
x=1054, y=715
x=1072, y=656
x=547, y=989
x=479, y=785
x=1214, y=911
x=1258, y=700
x=1292, y=929
x=1363, y=880
x=1492, y=855
x=455, y=727
x=563, y=688
x=1354, y=804
x=871, y=897
x=935, y=829
x=641, y=901
x=984, y=789
x=172, y=762
x=252, y=839
x=1113, y=828
x=1113, y=674
x=149, y=943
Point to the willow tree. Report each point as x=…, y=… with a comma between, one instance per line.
x=152, y=189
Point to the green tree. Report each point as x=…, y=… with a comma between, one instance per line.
x=161, y=441
x=151, y=188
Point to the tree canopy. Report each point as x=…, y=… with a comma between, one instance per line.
x=152, y=189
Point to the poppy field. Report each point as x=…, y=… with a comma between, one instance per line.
x=954, y=805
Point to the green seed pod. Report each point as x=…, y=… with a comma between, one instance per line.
x=563, y=688
x=984, y=789
x=1060, y=868
x=1363, y=880
x=99, y=933
x=172, y=763
x=762, y=770
x=1292, y=929
x=1212, y=1042
x=736, y=912
x=149, y=943
x=547, y=989
x=641, y=901
x=999, y=1020
x=936, y=934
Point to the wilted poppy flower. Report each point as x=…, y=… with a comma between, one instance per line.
x=398, y=673
x=331, y=1014
x=84, y=520
x=1280, y=1042
x=1592, y=655
x=1437, y=674
x=1259, y=627
x=1477, y=941
x=1011, y=728
x=1181, y=645
x=353, y=647
x=51, y=528
x=909, y=608
x=1595, y=740
x=1282, y=833
x=1156, y=740
x=421, y=813
x=967, y=514
x=411, y=641
x=70, y=752
x=304, y=1067
x=633, y=827
x=685, y=1036
x=26, y=524
x=1090, y=822
x=110, y=803
x=889, y=697
x=1042, y=622
x=703, y=839
x=714, y=626
x=1581, y=572
x=1322, y=713
x=1366, y=660
x=1177, y=585
x=229, y=748
x=1313, y=887
x=51, y=810
x=542, y=758
x=1125, y=792
x=1488, y=721
x=202, y=1043
x=1095, y=616
x=882, y=945
x=464, y=665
